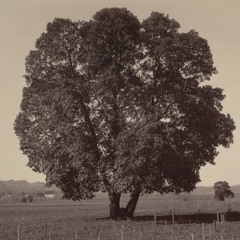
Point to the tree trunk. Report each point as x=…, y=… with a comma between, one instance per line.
x=132, y=203
x=114, y=205
x=122, y=213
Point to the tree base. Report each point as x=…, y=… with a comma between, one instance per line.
x=123, y=214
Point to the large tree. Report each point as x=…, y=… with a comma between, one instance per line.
x=122, y=106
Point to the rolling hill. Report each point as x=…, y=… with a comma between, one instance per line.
x=17, y=187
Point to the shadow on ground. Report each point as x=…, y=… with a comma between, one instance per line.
x=192, y=218
x=189, y=218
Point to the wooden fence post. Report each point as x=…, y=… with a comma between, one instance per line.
x=217, y=217
x=203, y=232
x=173, y=218
x=122, y=237
x=98, y=237
x=140, y=235
x=114, y=227
x=65, y=228
x=155, y=217
x=210, y=231
x=192, y=235
x=222, y=217
x=18, y=232
x=215, y=225
x=84, y=226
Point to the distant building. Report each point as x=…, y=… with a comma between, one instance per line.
x=49, y=194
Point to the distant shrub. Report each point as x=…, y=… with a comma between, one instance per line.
x=30, y=198
x=27, y=198
x=24, y=199
x=2, y=194
x=39, y=194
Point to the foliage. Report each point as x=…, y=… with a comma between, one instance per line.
x=2, y=193
x=39, y=194
x=27, y=198
x=222, y=191
x=30, y=198
x=118, y=105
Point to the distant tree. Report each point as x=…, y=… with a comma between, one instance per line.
x=30, y=198
x=117, y=105
x=24, y=199
x=39, y=194
x=229, y=194
x=27, y=198
x=2, y=194
x=222, y=191
x=49, y=192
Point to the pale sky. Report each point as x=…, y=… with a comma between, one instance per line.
x=22, y=22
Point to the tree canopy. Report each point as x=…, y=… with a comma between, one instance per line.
x=222, y=190
x=120, y=105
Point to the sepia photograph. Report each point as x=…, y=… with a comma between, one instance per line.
x=119, y=120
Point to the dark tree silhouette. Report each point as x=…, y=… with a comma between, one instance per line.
x=117, y=105
x=222, y=191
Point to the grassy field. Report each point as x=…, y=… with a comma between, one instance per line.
x=177, y=217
